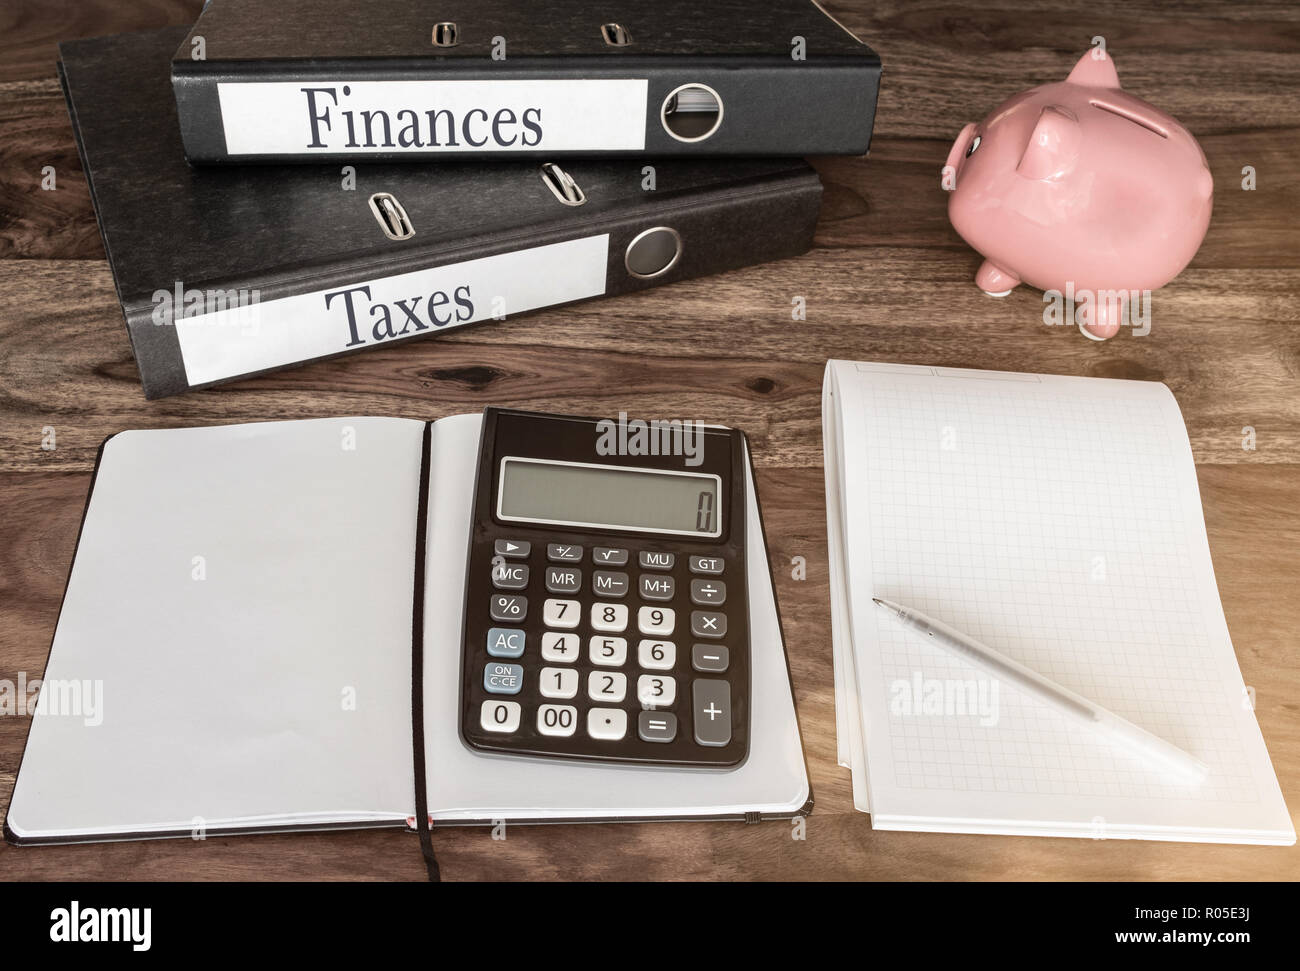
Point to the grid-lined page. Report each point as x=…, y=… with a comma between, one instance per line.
x=1057, y=520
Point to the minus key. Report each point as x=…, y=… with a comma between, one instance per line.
x=710, y=658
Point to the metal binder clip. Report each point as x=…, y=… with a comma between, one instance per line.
x=391, y=216
x=562, y=185
x=616, y=35
x=445, y=34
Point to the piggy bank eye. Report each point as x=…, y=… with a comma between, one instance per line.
x=974, y=144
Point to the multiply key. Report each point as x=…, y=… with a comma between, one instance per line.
x=708, y=623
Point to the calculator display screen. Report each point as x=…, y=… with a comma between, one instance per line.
x=610, y=496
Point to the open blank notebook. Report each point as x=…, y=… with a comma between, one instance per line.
x=1058, y=520
x=242, y=596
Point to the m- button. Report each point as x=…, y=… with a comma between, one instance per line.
x=609, y=583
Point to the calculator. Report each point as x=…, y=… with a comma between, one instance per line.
x=606, y=611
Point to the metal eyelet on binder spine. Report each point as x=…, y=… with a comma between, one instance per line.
x=562, y=185
x=653, y=252
x=691, y=112
x=391, y=216
x=616, y=35
x=445, y=34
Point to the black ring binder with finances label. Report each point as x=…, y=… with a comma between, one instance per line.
x=310, y=80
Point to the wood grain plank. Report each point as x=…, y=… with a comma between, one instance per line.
x=30, y=33
x=1215, y=67
x=888, y=280
x=723, y=347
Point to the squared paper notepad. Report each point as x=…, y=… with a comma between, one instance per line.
x=1058, y=520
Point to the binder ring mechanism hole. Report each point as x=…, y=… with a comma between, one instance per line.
x=562, y=185
x=391, y=216
x=653, y=252
x=616, y=35
x=691, y=113
x=445, y=34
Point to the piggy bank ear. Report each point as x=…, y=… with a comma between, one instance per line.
x=1095, y=72
x=1052, y=147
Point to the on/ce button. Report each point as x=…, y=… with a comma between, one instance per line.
x=503, y=679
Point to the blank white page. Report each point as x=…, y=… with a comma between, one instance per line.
x=1058, y=520
x=243, y=595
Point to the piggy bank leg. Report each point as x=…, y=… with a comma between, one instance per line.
x=995, y=281
x=1100, y=319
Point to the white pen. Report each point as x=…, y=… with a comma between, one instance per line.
x=1139, y=741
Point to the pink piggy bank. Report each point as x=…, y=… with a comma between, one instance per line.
x=1080, y=189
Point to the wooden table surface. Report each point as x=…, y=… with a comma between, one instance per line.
x=887, y=280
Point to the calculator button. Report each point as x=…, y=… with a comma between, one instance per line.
x=711, y=704
x=558, y=682
x=505, y=642
x=656, y=620
x=606, y=724
x=606, y=686
x=708, y=623
x=656, y=726
x=499, y=716
x=656, y=690
x=505, y=607
x=503, y=679
x=607, y=584
x=657, y=587
x=513, y=549
x=559, y=647
x=656, y=655
x=708, y=565
x=510, y=576
x=564, y=614
x=650, y=560
x=563, y=579
x=558, y=720
x=609, y=618
x=708, y=593
x=563, y=553
x=609, y=652
x=605, y=556
x=709, y=658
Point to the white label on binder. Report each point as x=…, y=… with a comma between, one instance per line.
x=239, y=340
x=366, y=117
